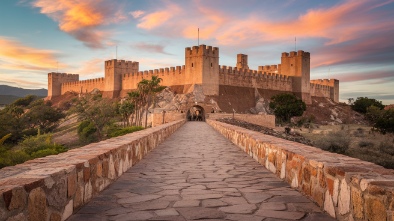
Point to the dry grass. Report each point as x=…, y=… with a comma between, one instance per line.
x=363, y=143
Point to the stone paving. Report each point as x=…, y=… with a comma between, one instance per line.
x=197, y=174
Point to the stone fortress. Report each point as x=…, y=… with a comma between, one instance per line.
x=217, y=87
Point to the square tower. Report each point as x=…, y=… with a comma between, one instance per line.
x=114, y=69
x=242, y=61
x=202, y=68
x=55, y=81
x=297, y=65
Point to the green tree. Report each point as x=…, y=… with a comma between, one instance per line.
x=126, y=109
x=44, y=117
x=153, y=87
x=286, y=106
x=362, y=103
x=97, y=110
x=383, y=120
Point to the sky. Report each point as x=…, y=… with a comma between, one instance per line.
x=349, y=40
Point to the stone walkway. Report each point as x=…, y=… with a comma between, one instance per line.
x=197, y=174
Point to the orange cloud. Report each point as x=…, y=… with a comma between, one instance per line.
x=15, y=56
x=339, y=23
x=91, y=68
x=83, y=19
x=158, y=18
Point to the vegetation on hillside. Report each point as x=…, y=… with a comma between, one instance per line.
x=286, y=106
x=363, y=103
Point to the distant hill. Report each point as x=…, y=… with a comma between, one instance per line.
x=7, y=99
x=21, y=92
x=9, y=94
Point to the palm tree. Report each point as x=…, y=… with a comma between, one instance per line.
x=153, y=87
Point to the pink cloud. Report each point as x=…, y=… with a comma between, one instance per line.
x=373, y=75
x=83, y=19
x=16, y=56
x=337, y=24
x=158, y=18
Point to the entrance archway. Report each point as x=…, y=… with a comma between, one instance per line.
x=195, y=113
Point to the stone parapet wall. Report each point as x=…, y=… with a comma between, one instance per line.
x=53, y=187
x=157, y=118
x=345, y=187
x=264, y=120
x=84, y=86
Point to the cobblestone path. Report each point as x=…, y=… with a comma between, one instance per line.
x=197, y=174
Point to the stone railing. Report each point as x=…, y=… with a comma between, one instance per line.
x=265, y=120
x=51, y=188
x=345, y=187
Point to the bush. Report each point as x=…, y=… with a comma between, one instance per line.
x=359, y=132
x=387, y=147
x=337, y=142
x=87, y=132
x=365, y=144
x=122, y=131
x=362, y=103
x=286, y=106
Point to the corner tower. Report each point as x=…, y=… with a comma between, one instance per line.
x=114, y=69
x=297, y=65
x=55, y=81
x=242, y=61
x=202, y=68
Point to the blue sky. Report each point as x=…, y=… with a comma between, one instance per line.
x=348, y=40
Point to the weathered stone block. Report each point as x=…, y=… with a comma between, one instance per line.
x=18, y=198
x=329, y=204
x=37, y=205
x=57, y=195
x=344, y=198
x=357, y=203
x=55, y=217
x=71, y=183
x=375, y=209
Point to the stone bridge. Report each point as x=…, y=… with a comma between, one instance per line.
x=196, y=174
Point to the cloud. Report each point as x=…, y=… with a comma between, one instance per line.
x=83, y=20
x=91, y=68
x=339, y=23
x=158, y=18
x=16, y=56
x=155, y=48
x=137, y=14
x=372, y=75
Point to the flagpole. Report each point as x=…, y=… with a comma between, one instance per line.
x=198, y=36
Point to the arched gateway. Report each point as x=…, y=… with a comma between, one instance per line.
x=195, y=113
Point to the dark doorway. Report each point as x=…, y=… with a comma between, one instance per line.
x=195, y=113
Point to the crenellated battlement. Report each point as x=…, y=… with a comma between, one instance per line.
x=121, y=63
x=63, y=75
x=202, y=50
x=269, y=68
x=202, y=68
x=328, y=82
x=299, y=53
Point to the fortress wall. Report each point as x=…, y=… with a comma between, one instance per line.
x=254, y=79
x=170, y=76
x=320, y=87
x=345, y=187
x=84, y=86
x=54, y=187
x=318, y=90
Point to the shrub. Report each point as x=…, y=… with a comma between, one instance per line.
x=386, y=147
x=122, y=131
x=337, y=142
x=365, y=144
x=359, y=132
x=286, y=106
x=87, y=132
x=362, y=103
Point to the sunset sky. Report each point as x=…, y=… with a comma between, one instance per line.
x=348, y=40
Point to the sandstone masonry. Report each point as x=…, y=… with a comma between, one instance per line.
x=202, y=69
